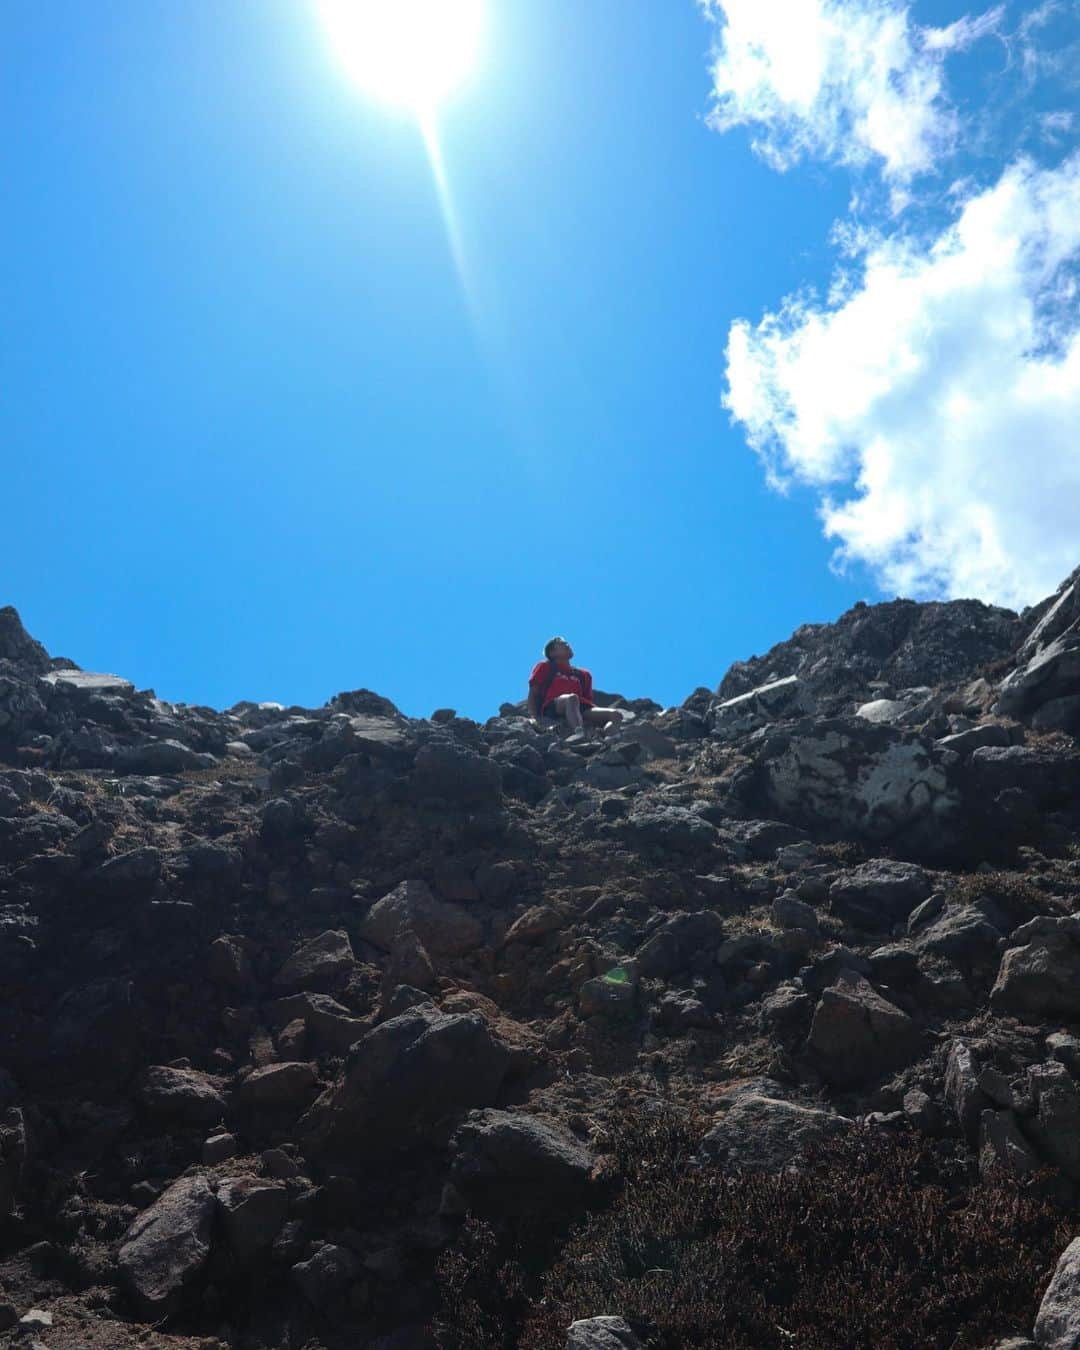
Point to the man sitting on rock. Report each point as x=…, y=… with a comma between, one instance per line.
x=564, y=692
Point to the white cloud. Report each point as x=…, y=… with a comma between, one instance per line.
x=853, y=81
x=933, y=399
x=965, y=32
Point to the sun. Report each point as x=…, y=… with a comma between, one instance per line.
x=406, y=52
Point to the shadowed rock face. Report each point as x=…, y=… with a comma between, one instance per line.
x=286, y=992
x=901, y=645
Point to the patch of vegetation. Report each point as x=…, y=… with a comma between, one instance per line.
x=882, y=1241
x=1016, y=894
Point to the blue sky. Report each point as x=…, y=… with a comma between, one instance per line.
x=264, y=440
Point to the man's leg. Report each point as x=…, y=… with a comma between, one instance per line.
x=608, y=719
x=569, y=706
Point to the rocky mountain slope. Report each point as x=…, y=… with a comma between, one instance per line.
x=294, y=1001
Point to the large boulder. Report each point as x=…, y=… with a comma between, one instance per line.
x=320, y=964
x=94, y=1033
x=879, y=893
x=857, y=1034
x=506, y=1163
x=404, y=1078
x=1056, y=1127
x=444, y=929
x=18, y=647
x=901, y=644
x=183, y=1096
x=1057, y=1327
x=674, y=829
x=128, y=874
x=457, y=775
x=279, y=1087
x=161, y=756
x=601, y=1333
x=1048, y=669
x=1040, y=972
x=762, y=1133
x=866, y=779
x=167, y=1246
x=252, y=1212
x=678, y=940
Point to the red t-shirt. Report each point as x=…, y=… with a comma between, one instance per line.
x=580, y=682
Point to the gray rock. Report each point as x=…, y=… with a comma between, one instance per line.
x=895, y=964
x=324, y=1277
x=167, y=1246
x=534, y=925
x=601, y=1333
x=94, y=1032
x=1059, y=714
x=612, y=994
x=185, y=1096
x=321, y=964
x=445, y=930
x=925, y=913
x=402, y=1078
x=88, y=682
x=330, y=1025
x=1066, y=1050
x=14, y=1151
x=459, y=776
x=879, y=893
x=675, y=943
x=252, y=1212
x=856, y=1034
x=1040, y=972
x=962, y=1091
x=128, y=874
x=1057, y=1326
x=962, y=934
x=218, y=1148
x=505, y=1163
x=871, y=780
x=229, y=964
x=165, y=756
x=1056, y=1127
x=763, y=839
x=670, y=828
x=785, y=1013
x=887, y=710
x=279, y=1086
x=1002, y=1145
x=788, y=911
x=768, y=1134
x=964, y=742
x=922, y=1112
x=680, y=1010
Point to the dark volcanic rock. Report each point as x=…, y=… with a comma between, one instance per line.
x=402, y=1078
x=167, y=1246
x=857, y=1034
x=184, y=1096
x=1040, y=973
x=505, y=1163
x=879, y=893
x=444, y=929
x=900, y=643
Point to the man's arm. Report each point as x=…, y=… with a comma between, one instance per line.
x=534, y=701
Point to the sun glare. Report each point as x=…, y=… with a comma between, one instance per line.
x=408, y=52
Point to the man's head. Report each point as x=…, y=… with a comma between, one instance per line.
x=558, y=649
